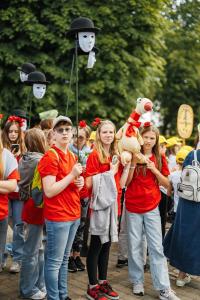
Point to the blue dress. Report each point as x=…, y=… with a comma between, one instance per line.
x=182, y=242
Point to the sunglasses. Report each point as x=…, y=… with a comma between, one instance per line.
x=81, y=138
x=62, y=130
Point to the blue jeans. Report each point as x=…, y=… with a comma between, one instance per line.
x=60, y=237
x=3, y=234
x=150, y=224
x=32, y=269
x=15, y=212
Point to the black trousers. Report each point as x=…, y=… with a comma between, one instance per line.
x=163, y=211
x=98, y=256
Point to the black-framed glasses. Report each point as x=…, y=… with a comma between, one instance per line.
x=62, y=130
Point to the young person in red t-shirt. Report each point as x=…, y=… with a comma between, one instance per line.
x=99, y=161
x=12, y=138
x=32, y=285
x=61, y=181
x=141, y=199
x=8, y=183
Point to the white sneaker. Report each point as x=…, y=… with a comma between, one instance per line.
x=184, y=281
x=168, y=294
x=15, y=267
x=44, y=290
x=38, y=296
x=138, y=289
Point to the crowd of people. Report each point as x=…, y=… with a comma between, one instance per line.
x=89, y=200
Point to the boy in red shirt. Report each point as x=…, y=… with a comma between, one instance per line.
x=61, y=184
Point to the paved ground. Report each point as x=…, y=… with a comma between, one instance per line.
x=118, y=278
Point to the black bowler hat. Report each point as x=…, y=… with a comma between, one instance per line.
x=27, y=68
x=19, y=113
x=36, y=77
x=81, y=24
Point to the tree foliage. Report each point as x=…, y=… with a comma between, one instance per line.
x=182, y=68
x=129, y=63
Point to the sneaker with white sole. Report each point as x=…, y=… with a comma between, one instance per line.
x=168, y=294
x=15, y=267
x=138, y=289
x=184, y=281
x=38, y=296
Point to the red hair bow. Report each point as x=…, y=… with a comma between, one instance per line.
x=96, y=122
x=82, y=124
x=147, y=124
x=130, y=131
x=1, y=116
x=16, y=119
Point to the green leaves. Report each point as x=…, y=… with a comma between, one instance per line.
x=129, y=64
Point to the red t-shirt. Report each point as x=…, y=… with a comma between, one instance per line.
x=143, y=193
x=15, y=195
x=66, y=205
x=94, y=166
x=32, y=214
x=4, y=197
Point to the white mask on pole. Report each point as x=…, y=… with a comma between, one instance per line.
x=86, y=41
x=39, y=90
x=23, y=76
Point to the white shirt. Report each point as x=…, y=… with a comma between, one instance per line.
x=175, y=178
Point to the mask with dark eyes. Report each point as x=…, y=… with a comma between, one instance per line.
x=86, y=41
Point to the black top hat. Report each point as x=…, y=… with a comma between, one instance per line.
x=27, y=68
x=36, y=77
x=81, y=24
x=19, y=113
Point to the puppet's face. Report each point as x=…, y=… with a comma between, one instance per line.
x=39, y=90
x=23, y=76
x=86, y=41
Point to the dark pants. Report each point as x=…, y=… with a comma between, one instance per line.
x=79, y=237
x=98, y=256
x=163, y=211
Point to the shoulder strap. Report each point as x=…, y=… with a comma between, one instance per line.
x=55, y=152
x=195, y=155
x=74, y=156
x=195, y=161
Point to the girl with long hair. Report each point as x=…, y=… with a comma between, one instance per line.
x=141, y=200
x=32, y=284
x=102, y=179
x=8, y=183
x=12, y=138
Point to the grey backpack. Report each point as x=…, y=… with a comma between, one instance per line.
x=189, y=187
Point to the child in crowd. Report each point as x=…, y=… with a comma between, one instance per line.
x=80, y=148
x=12, y=138
x=61, y=180
x=8, y=184
x=175, y=178
x=32, y=284
x=173, y=146
x=142, y=199
x=102, y=178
